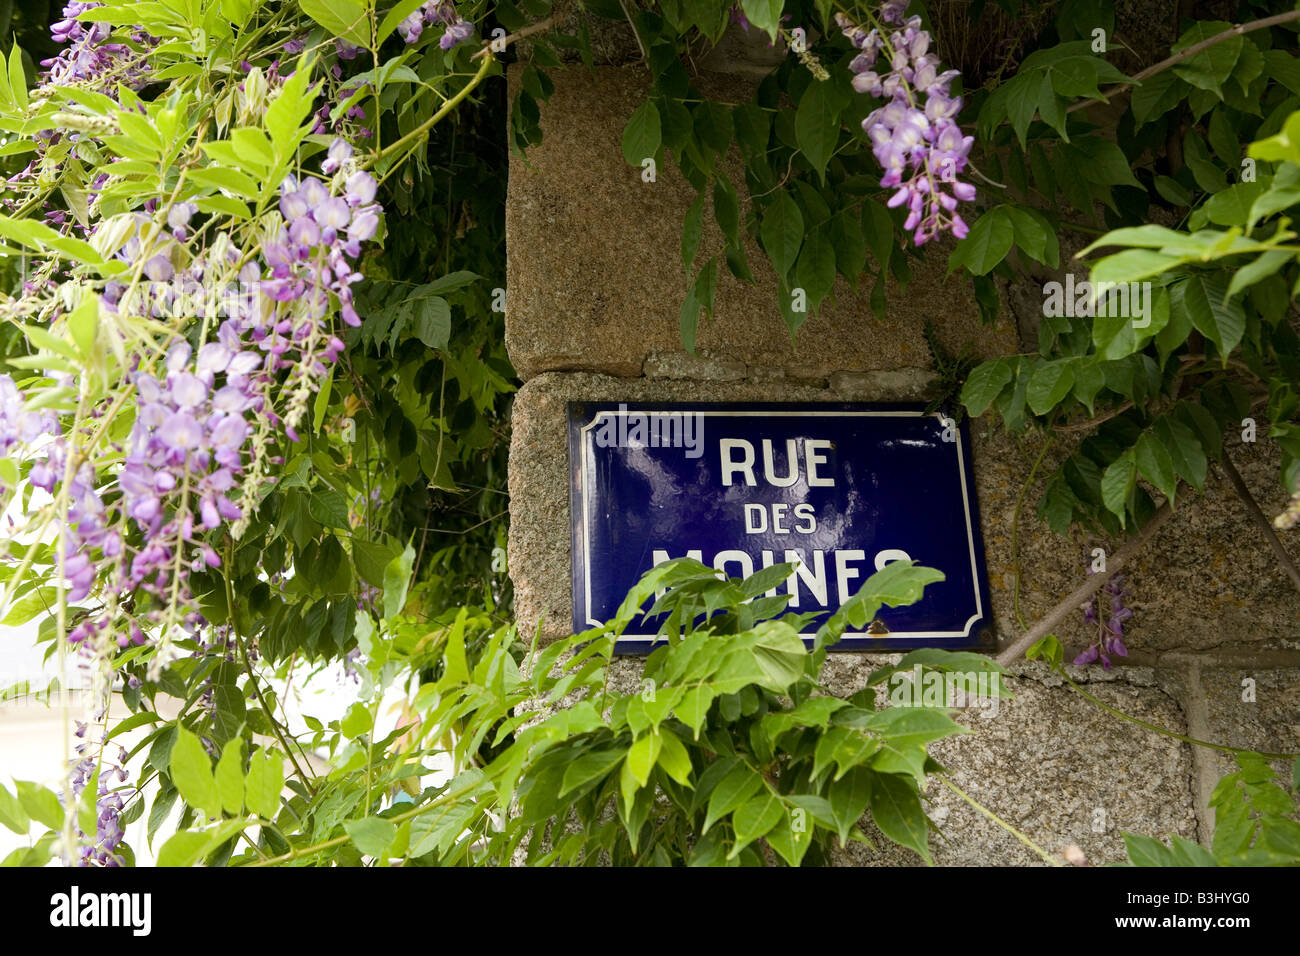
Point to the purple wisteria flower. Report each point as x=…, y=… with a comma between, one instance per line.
x=914, y=135
x=1110, y=636
x=437, y=11
x=100, y=848
x=88, y=59
x=184, y=471
x=17, y=425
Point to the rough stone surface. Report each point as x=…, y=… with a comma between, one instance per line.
x=594, y=272
x=682, y=364
x=1058, y=769
x=909, y=383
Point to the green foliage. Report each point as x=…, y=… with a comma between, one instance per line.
x=728, y=753
x=1155, y=388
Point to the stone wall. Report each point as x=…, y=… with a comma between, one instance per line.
x=594, y=287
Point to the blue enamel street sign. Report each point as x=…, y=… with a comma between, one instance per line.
x=839, y=490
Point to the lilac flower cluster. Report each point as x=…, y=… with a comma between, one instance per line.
x=17, y=425
x=914, y=136
x=1110, y=636
x=434, y=12
x=87, y=58
x=202, y=416
x=101, y=849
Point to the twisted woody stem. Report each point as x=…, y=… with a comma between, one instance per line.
x=1086, y=590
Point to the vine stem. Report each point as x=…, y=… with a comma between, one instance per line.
x=1191, y=51
x=1258, y=516
x=998, y=820
x=1087, y=589
x=252, y=677
x=437, y=117
x=538, y=27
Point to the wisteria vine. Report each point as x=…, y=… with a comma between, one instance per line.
x=142, y=515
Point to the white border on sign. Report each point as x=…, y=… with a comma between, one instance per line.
x=893, y=635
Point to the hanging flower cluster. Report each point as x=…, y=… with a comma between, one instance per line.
x=432, y=13
x=1110, y=636
x=87, y=58
x=914, y=136
x=100, y=848
x=204, y=417
x=18, y=426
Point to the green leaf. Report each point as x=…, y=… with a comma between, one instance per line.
x=986, y=245
x=39, y=601
x=231, y=180
x=17, y=77
x=1049, y=384
x=397, y=578
x=764, y=14
x=40, y=803
x=1261, y=268
x=984, y=383
x=693, y=708
x=1132, y=265
x=1156, y=96
x=1033, y=235
x=878, y=228
x=1147, y=851
x=372, y=835
x=183, y=849
x=849, y=797
x=896, y=808
x=1211, y=67
x=230, y=777
x=356, y=721
x=1202, y=298
x=643, y=134
x=342, y=18
x=1020, y=100
x=328, y=507
x=817, y=124
x=754, y=818
x=264, y=782
x=726, y=208
x=850, y=247
x=674, y=759
x=1184, y=450
x=1117, y=484
x=191, y=772
x=815, y=270
x=1155, y=465
x=692, y=229
x=789, y=841
x=642, y=756
x=432, y=323
x=735, y=788
x=12, y=814
x=588, y=767
x=782, y=233
x=83, y=322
